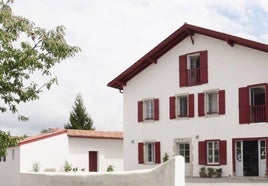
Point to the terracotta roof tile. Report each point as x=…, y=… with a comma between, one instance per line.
x=50, y=133
x=95, y=134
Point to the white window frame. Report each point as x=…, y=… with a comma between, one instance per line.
x=178, y=110
x=184, y=151
x=262, y=150
x=148, y=109
x=191, y=56
x=211, y=152
x=149, y=154
x=215, y=110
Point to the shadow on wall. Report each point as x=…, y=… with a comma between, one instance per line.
x=170, y=173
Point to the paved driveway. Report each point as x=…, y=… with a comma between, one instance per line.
x=227, y=181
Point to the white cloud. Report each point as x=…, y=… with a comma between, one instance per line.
x=112, y=36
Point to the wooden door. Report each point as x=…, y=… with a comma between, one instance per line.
x=93, y=161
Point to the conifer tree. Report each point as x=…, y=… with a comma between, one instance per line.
x=79, y=118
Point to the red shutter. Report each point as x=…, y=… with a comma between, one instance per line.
x=222, y=102
x=156, y=109
x=140, y=111
x=157, y=152
x=266, y=103
x=202, y=153
x=191, y=105
x=266, y=153
x=243, y=105
x=183, y=70
x=140, y=153
x=204, y=67
x=223, y=153
x=172, y=107
x=201, y=105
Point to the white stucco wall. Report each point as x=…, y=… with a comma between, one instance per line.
x=51, y=152
x=169, y=174
x=228, y=69
x=110, y=152
x=9, y=170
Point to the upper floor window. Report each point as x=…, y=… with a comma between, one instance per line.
x=253, y=104
x=181, y=106
x=149, y=152
x=211, y=103
x=193, y=69
x=148, y=110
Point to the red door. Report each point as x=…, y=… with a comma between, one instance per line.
x=93, y=161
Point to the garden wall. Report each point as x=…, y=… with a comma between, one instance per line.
x=170, y=173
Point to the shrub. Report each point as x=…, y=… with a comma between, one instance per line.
x=67, y=166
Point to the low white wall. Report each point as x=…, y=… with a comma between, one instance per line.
x=170, y=173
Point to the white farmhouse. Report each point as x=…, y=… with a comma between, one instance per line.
x=83, y=149
x=202, y=94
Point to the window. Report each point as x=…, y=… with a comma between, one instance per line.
x=212, y=152
x=263, y=150
x=148, y=110
x=149, y=153
x=184, y=150
x=193, y=69
x=181, y=106
x=238, y=151
x=211, y=103
x=253, y=105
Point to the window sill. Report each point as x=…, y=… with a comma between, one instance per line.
x=208, y=115
x=149, y=163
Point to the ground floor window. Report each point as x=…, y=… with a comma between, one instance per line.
x=149, y=152
x=184, y=150
x=213, y=152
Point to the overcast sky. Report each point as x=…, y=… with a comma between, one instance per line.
x=113, y=34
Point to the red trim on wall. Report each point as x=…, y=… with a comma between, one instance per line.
x=201, y=104
x=172, y=107
x=248, y=139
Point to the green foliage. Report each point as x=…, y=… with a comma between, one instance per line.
x=26, y=51
x=110, y=168
x=67, y=166
x=79, y=118
x=6, y=140
x=166, y=157
x=36, y=167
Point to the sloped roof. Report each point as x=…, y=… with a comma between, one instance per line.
x=171, y=41
x=50, y=133
x=74, y=133
x=95, y=134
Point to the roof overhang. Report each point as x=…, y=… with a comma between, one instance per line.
x=171, y=41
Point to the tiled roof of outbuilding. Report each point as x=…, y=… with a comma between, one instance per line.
x=74, y=133
x=95, y=134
